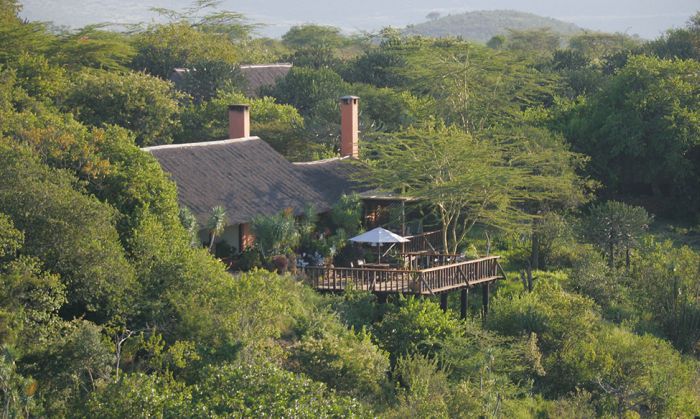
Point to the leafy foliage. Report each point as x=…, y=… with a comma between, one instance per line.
x=141, y=103
x=255, y=390
x=615, y=224
x=275, y=234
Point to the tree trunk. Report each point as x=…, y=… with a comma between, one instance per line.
x=211, y=243
x=444, y=238
x=535, y=252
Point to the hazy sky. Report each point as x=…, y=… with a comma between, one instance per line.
x=647, y=18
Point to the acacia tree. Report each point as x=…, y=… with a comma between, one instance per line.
x=466, y=181
x=557, y=169
x=475, y=87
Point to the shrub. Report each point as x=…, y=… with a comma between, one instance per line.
x=275, y=234
x=555, y=315
x=139, y=395
x=265, y=390
x=425, y=389
x=415, y=327
x=346, y=361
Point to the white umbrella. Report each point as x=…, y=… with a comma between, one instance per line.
x=379, y=236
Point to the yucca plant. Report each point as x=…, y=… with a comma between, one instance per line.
x=216, y=225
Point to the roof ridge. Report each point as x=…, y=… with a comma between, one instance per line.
x=300, y=163
x=266, y=65
x=200, y=144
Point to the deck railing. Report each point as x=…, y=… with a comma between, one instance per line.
x=430, y=241
x=406, y=281
x=461, y=274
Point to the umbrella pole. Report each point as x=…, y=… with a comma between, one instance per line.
x=379, y=253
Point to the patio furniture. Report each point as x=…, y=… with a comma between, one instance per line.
x=378, y=237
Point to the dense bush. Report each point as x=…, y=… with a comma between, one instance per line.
x=415, y=326
x=266, y=390
x=343, y=359
x=141, y=103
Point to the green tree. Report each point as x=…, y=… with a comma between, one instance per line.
x=346, y=214
x=314, y=93
x=475, y=87
x=136, y=101
x=307, y=36
x=61, y=227
x=466, y=182
x=18, y=36
x=389, y=110
x=39, y=78
x=683, y=43
x=597, y=45
x=644, y=117
x=92, y=46
x=70, y=366
x=665, y=285
x=11, y=239
x=541, y=41
x=162, y=48
x=425, y=390
x=614, y=225
x=29, y=304
x=560, y=188
x=496, y=42
x=16, y=391
x=278, y=124
x=415, y=327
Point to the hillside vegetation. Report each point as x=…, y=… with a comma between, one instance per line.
x=480, y=26
x=578, y=164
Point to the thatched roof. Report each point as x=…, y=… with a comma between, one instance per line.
x=248, y=177
x=255, y=76
x=263, y=75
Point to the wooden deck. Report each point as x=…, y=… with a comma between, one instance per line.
x=447, y=275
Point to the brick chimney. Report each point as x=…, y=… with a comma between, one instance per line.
x=238, y=121
x=349, y=127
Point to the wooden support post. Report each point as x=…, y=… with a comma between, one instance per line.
x=464, y=303
x=485, y=297
x=443, y=301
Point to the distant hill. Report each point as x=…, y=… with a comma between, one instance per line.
x=483, y=25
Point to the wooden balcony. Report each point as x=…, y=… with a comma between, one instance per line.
x=442, y=274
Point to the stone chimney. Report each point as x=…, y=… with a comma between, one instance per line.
x=238, y=121
x=349, y=127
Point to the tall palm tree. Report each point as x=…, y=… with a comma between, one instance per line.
x=216, y=225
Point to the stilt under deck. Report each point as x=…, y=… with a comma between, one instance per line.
x=443, y=274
